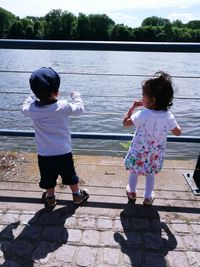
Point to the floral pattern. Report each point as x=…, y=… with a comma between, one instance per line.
x=147, y=150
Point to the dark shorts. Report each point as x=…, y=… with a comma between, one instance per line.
x=52, y=166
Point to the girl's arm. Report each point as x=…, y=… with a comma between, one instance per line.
x=127, y=118
x=177, y=130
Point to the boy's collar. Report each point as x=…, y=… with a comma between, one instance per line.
x=49, y=102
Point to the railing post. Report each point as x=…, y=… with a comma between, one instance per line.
x=193, y=178
x=196, y=175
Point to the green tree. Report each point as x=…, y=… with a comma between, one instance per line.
x=196, y=35
x=119, y=32
x=68, y=22
x=17, y=30
x=193, y=24
x=178, y=23
x=138, y=33
x=26, y=22
x=155, y=21
x=83, y=27
x=184, y=35
x=59, y=25
x=34, y=19
x=161, y=37
x=29, y=34
x=176, y=34
x=168, y=32
x=6, y=20
x=39, y=29
x=146, y=33
x=53, y=25
x=100, y=25
x=63, y=25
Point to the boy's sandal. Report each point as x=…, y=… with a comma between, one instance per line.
x=148, y=202
x=49, y=201
x=82, y=197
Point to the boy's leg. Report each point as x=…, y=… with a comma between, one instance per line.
x=50, y=192
x=75, y=188
x=79, y=195
x=48, y=197
x=48, y=176
x=70, y=178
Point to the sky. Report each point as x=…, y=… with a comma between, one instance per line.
x=128, y=12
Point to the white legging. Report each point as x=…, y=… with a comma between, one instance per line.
x=150, y=182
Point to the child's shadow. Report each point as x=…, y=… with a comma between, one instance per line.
x=44, y=233
x=146, y=239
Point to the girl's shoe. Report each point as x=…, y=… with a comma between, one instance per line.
x=49, y=201
x=148, y=201
x=131, y=195
x=83, y=196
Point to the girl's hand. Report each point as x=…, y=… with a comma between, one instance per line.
x=127, y=119
x=137, y=103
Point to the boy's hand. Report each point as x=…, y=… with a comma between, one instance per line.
x=74, y=95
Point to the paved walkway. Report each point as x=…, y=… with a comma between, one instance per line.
x=106, y=231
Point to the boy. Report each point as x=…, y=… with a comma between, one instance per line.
x=52, y=135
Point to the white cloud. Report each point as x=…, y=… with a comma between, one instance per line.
x=128, y=12
x=121, y=15
x=38, y=7
x=184, y=17
x=183, y=7
x=122, y=18
x=91, y=5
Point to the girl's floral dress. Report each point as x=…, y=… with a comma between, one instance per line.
x=147, y=150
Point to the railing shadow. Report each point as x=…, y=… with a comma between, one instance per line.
x=106, y=205
x=44, y=233
x=142, y=241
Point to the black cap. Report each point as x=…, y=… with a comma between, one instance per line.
x=44, y=81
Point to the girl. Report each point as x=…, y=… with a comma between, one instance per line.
x=147, y=150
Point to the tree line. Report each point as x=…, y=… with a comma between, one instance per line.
x=63, y=25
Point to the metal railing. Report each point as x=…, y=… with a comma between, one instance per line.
x=107, y=46
x=102, y=136
x=101, y=46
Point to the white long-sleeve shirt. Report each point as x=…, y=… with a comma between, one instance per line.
x=51, y=124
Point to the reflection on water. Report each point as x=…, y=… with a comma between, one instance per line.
x=103, y=114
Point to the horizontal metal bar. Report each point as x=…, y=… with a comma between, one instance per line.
x=103, y=136
x=101, y=46
x=100, y=74
x=89, y=114
x=101, y=96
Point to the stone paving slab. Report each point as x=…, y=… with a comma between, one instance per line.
x=106, y=231
x=60, y=237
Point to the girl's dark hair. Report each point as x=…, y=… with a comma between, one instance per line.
x=160, y=89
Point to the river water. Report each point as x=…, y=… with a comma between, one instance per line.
x=106, y=97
